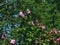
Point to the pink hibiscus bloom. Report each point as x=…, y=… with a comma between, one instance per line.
x=58, y=39
x=12, y=41
x=55, y=31
x=3, y=36
x=43, y=27
x=28, y=11
x=21, y=14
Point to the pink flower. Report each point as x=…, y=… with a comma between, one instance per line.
x=3, y=36
x=43, y=27
x=28, y=11
x=12, y=41
x=54, y=30
x=58, y=39
x=21, y=14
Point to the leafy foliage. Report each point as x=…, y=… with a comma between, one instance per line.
x=46, y=12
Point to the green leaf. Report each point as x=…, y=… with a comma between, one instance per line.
x=29, y=39
x=44, y=44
